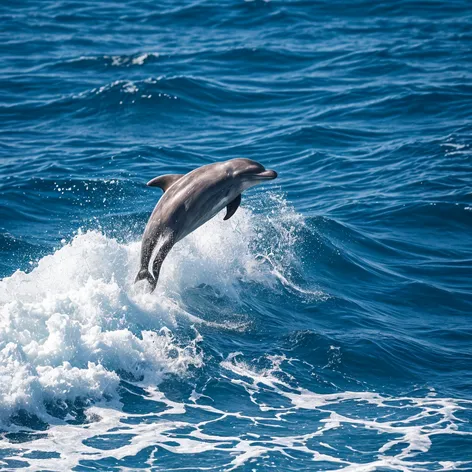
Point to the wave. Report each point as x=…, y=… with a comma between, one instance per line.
x=73, y=324
x=122, y=60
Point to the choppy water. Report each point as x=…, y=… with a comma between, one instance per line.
x=326, y=326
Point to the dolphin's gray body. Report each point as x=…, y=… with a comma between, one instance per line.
x=189, y=201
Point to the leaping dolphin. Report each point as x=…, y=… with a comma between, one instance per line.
x=189, y=201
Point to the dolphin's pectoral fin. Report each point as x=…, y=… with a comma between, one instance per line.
x=232, y=207
x=164, y=181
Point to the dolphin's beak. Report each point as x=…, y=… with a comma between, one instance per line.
x=267, y=175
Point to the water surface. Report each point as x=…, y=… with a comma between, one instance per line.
x=326, y=325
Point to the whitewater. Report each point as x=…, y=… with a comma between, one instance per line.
x=77, y=335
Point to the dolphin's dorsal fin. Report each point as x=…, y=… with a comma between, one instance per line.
x=164, y=181
x=232, y=207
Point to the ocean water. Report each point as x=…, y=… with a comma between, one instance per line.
x=326, y=325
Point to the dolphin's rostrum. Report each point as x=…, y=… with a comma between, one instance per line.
x=189, y=201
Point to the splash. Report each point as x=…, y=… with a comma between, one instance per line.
x=69, y=328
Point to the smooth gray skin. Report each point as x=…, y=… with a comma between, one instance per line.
x=189, y=201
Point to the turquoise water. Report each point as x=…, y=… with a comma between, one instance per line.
x=326, y=325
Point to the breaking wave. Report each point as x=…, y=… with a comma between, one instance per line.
x=76, y=324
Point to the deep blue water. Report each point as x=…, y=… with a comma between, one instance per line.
x=327, y=325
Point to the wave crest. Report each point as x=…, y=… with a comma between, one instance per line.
x=72, y=326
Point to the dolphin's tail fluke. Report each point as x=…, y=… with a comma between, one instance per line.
x=145, y=274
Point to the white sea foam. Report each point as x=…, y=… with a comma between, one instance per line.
x=72, y=324
x=455, y=148
x=419, y=419
x=67, y=328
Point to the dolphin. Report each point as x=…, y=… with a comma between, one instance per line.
x=189, y=201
